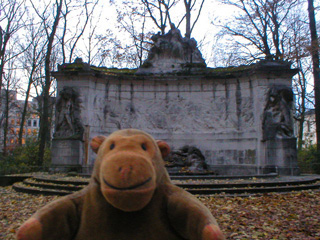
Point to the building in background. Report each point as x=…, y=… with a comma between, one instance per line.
x=31, y=126
x=309, y=134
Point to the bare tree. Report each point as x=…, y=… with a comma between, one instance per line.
x=83, y=12
x=316, y=70
x=132, y=20
x=10, y=83
x=297, y=52
x=159, y=12
x=303, y=98
x=102, y=49
x=11, y=17
x=260, y=25
x=32, y=61
x=190, y=5
x=276, y=30
x=136, y=20
x=50, y=29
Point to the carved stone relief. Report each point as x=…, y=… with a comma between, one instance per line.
x=182, y=115
x=188, y=157
x=277, y=119
x=68, y=121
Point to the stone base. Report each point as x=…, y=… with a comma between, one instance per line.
x=65, y=168
x=87, y=169
x=281, y=170
x=281, y=156
x=234, y=170
x=66, y=155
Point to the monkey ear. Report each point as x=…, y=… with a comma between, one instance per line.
x=164, y=148
x=96, y=142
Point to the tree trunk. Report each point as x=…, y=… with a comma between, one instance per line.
x=315, y=64
x=25, y=107
x=300, y=132
x=6, y=122
x=44, y=132
x=4, y=43
x=188, y=18
x=302, y=110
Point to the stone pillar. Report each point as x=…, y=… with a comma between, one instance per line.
x=67, y=144
x=279, y=143
x=281, y=156
x=66, y=155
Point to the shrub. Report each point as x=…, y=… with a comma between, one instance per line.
x=308, y=160
x=24, y=159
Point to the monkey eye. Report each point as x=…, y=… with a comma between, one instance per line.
x=112, y=146
x=144, y=147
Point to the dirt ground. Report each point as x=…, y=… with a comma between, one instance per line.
x=293, y=215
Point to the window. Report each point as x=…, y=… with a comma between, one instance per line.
x=34, y=123
x=29, y=123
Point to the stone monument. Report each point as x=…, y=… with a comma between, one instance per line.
x=239, y=118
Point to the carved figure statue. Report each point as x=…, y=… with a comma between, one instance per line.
x=188, y=157
x=277, y=119
x=68, y=122
x=171, y=50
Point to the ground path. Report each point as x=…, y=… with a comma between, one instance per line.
x=293, y=215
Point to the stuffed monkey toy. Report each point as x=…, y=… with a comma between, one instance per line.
x=129, y=197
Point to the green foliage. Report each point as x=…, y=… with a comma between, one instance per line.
x=24, y=159
x=309, y=160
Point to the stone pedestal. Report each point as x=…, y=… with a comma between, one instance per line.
x=66, y=155
x=281, y=156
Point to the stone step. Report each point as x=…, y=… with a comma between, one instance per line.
x=185, y=176
x=61, y=181
x=246, y=184
x=21, y=187
x=279, y=189
x=62, y=187
x=53, y=185
x=217, y=177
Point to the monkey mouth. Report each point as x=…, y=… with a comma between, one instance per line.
x=127, y=188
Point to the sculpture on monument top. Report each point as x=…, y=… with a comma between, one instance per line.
x=172, y=53
x=277, y=119
x=68, y=121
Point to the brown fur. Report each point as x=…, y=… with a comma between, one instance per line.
x=130, y=196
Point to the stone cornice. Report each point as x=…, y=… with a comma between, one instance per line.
x=275, y=68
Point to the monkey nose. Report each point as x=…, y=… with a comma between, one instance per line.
x=125, y=172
